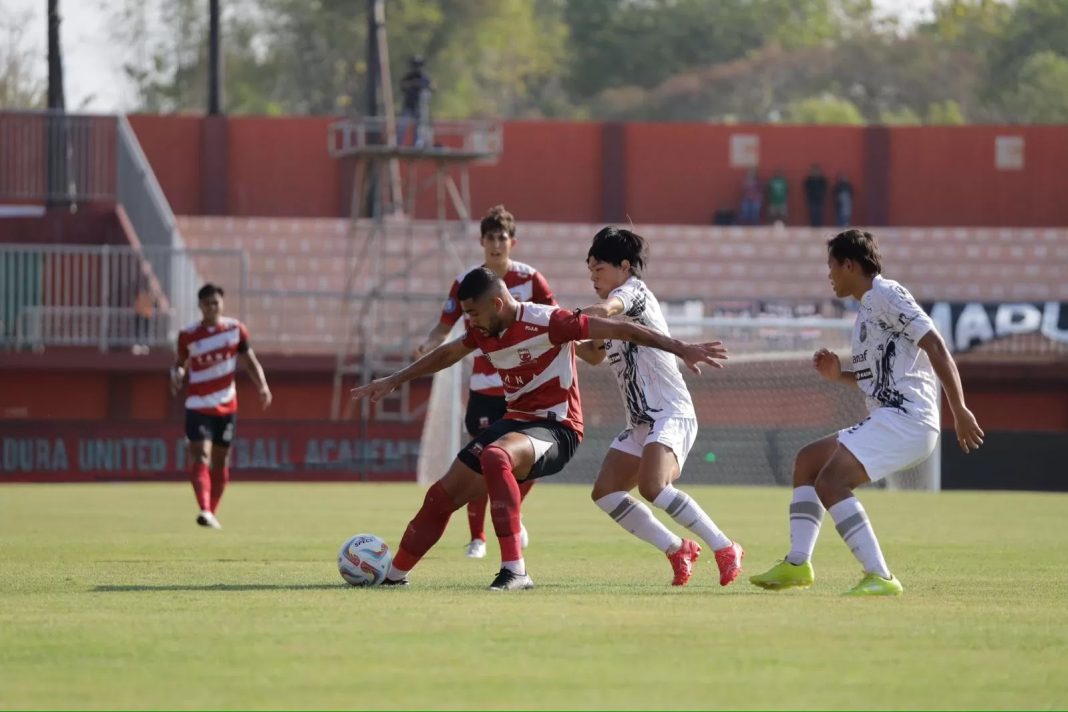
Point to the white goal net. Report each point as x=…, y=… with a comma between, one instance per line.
x=754, y=415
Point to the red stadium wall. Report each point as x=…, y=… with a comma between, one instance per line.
x=670, y=173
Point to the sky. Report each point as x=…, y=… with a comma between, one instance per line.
x=93, y=76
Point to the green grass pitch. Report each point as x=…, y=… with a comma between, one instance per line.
x=111, y=597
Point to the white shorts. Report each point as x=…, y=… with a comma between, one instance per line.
x=887, y=441
x=677, y=433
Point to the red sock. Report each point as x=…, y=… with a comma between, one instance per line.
x=524, y=488
x=504, y=500
x=219, y=479
x=201, y=480
x=476, y=517
x=426, y=527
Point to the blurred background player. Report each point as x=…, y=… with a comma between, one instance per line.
x=208, y=351
x=898, y=360
x=485, y=398
x=531, y=346
x=661, y=423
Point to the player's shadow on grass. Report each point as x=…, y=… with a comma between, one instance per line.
x=135, y=588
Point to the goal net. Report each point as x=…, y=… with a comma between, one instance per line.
x=754, y=415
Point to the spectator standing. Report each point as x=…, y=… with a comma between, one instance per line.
x=843, y=200
x=777, y=191
x=815, y=194
x=752, y=198
x=416, y=87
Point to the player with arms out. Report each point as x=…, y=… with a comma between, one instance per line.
x=485, y=401
x=208, y=350
x=531, y=346
x=898, y=360
x=661, y=423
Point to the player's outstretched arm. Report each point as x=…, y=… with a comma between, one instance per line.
x=590, y=350
x=969, y=434
x=255, y=372
x=433, y=340
x=828, y=365
x=613, y=306
x=692, y=355
x=438, y=359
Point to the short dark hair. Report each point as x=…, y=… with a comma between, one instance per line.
x=209, y=290
x=498, y=218
x=859, y=246
x=614, y=244
x=477, y=283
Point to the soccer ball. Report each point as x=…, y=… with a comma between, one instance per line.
x=364, y=560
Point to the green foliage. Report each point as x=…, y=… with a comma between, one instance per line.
x=1041, y=95
x=945, y=113
x=824, y=109
x=19, y=87
x=691, y=60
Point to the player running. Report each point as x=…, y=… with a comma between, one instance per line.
x=897, y=354
x=531, y=347
x=485, y=401
x=209, y=350
x=661, y=423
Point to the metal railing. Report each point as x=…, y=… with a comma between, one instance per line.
x=58, y=158
x=106, y=296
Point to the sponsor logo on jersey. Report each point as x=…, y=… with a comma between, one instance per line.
x=861, y=357
x=863, y=374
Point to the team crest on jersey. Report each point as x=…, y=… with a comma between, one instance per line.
x=524, y=355
x=863, y=332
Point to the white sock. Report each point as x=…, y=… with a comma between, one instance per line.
x=806, y=514
x=852, y=523
x=689, y=514
x=395, y=574
x=638, y=519
x=516, y=567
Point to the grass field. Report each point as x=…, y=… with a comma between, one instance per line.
x=111, y=597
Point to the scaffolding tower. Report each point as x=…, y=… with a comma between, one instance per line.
x=391, y=297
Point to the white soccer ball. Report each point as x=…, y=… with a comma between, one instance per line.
x=364, y=560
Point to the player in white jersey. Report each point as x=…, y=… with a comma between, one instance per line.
x=661, y=424
x=897, y=356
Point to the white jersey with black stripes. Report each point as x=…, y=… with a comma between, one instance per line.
x=649, y=379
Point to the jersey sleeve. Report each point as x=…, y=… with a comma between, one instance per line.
x=566, y=325
x=242, y=340
x=451, y=310
x=632, y=296
x=906, y=316
x=542, y=293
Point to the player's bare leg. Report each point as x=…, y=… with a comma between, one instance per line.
x=220, y=473
x=505, y=462
x=455, y=489
x=611, y=492
x=806, y=516
x=835, y=483
x=200, y=477
x=658, y=470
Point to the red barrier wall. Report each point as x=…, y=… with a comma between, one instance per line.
x=681, y=174
x=947, y=173
x=674, y=173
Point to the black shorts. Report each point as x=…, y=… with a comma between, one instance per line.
x=219, y=429
x=483, y=411
x=562, y=443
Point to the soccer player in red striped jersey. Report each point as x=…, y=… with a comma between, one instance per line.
x=485, y=401
x=532, y=347
x=208, y=351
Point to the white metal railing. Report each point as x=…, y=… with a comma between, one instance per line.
x=55, y=157
x=481, y=137
x=107, y=296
